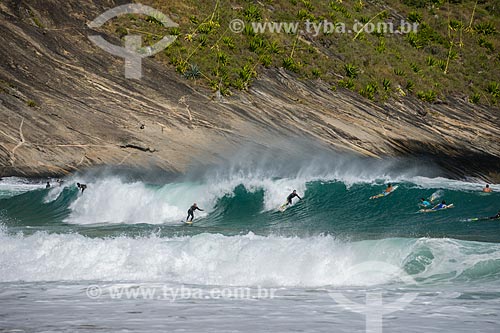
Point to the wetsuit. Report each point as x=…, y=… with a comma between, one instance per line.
x=425, y=203
x=191, y=212
x=290, y=197
x=495, y=217
x=440, y=206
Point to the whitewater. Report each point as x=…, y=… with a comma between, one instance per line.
x=59, y=246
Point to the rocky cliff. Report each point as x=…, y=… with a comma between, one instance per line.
x=65, y=105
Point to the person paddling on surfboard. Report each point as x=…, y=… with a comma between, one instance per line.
x=487, y=189
x=425, y=203
x=291, y=196
x=440, y=206
x=495, y=217
x=191, y=212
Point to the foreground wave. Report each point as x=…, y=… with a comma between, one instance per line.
x=244, y=260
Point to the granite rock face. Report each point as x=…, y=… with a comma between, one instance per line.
x=65, y=105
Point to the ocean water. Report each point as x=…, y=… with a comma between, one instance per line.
x=118, y=258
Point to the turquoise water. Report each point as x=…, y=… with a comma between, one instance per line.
x=55, y=242
x=112, y=206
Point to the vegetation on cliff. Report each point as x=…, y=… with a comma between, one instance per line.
x=454, y=51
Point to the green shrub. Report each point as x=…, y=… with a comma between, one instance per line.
x=483, y=42
x=359, y=5
x=413, y=40
x=485, y=28
x=415, y=17
x=441, y=64
x=247, y=73
x=248, y=30
x=399, y=72
x=474, y=98
x=154, y=20
x=175, y=31
x=193, y=19
x=121, y=31
x=31, y=103
x=290, y=64
x=427, y=96
x=208, y=27
x=222, y=58
x=308, y=5
x=351, y=71
x=304, y=15
x=203, y=39
x=494, y=89
x=273, y=47
x=410, y=85
x=369, y=91
x=193, y=72
x=252, y=13
x=455, y=25
x=347, y=83
x=229, y=42
x=414, y=67
x=257, y=44
x=381, y=46
x=386, y=83
x=266, y=60
x=339, y=8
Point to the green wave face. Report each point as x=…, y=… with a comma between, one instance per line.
x=112, y=206
x=243, y=236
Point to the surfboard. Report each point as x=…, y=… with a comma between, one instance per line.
x=384, y=194
x=187, y=222
x=474, y=219
x=436, y=210
x=283, y=207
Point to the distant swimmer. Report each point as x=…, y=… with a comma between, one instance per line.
x=440, y=206
x=424, y=203
x=291, y=196
x=81, y=186
x=496, y=217
x=389, y=188
x=48, y=185
x=191, y=212
x=487, y=189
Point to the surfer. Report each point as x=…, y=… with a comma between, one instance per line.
x=425, y=203
x=291, y=196
x=389, y=188
x=487, y=189
x=81, y=186
x=191, y=212
x=48, y=185
x=440, y=206
x=496, y=217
